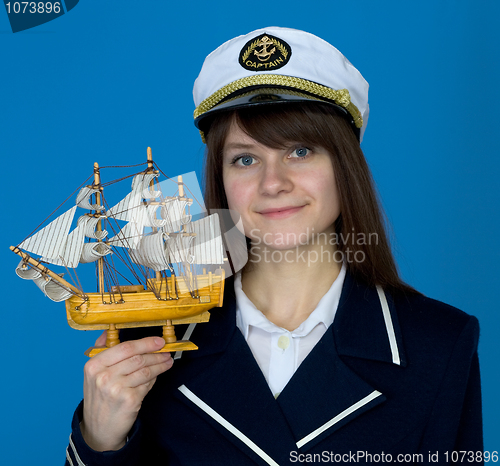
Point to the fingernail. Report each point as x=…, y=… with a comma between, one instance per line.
x=160, y=341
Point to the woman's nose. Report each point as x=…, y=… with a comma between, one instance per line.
x=275, y=179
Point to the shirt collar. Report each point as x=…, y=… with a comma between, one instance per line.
x=248, y=315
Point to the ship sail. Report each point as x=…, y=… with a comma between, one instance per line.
x=128, y=208
x=50, y=288
x=70, y=257
x=27, y=273
x=90, y=224
x=174, y=211
x=148, y=191
x=83, y=198
x=93, y=251
x=152, y=219
x=180, y=249
x=202, y=248
x=54, y=245
x=207, y=245
x=73, y=253
x=131, y=209
x=124, y=209
x=152, y=253
x=50, y=241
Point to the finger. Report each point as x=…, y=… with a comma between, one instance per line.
x=137, y=362
x=147, y=374
x=129, y=349
x=144, y=389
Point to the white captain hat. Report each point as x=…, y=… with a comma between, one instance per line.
x=277, y=65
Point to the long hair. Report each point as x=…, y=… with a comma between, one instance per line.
x=360, y=229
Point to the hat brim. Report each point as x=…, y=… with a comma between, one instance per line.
x=266, y=95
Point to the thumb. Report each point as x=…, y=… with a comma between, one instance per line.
x=101, y=341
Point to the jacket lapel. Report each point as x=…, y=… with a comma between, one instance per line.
x=232, y=394
x=323, y=395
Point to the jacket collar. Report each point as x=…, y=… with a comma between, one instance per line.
x=364, y=326
x=230, y=392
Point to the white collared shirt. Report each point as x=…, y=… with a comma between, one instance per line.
x=278, y=351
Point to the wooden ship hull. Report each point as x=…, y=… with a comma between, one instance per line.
x=142, y=308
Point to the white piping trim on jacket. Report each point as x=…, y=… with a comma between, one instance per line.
x=77, y=457
x=389, y=326
x=338, y=418
x=217, y=417
x=186, y=336
x=68, y=457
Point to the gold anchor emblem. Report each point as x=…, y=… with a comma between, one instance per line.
x=263, y=54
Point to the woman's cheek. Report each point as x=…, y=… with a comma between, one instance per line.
x=235, y=194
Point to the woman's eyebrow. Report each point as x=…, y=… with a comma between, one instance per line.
x=238, y=145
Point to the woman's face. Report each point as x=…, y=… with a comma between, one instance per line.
x=283, y=196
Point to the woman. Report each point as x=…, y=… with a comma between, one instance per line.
x=320, y=352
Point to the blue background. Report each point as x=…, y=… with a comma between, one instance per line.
x=108, y=79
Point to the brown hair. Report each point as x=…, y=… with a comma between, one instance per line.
x=318, y=125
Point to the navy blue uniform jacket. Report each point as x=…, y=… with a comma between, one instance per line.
x=400, y=381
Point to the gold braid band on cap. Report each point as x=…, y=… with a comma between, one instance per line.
x=340, y=97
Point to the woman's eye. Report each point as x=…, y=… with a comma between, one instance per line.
x=245, y=160
x=301, y=152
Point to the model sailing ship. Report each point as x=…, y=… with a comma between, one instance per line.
x=167, y=252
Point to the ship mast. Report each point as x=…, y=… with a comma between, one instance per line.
x=112, y=338
x=150, y=159
x=100, y=261
x=152, y=183
x=168, y=328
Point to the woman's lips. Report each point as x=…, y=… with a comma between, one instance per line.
x=281, y=212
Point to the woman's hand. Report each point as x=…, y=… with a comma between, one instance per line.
x=115, y=383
